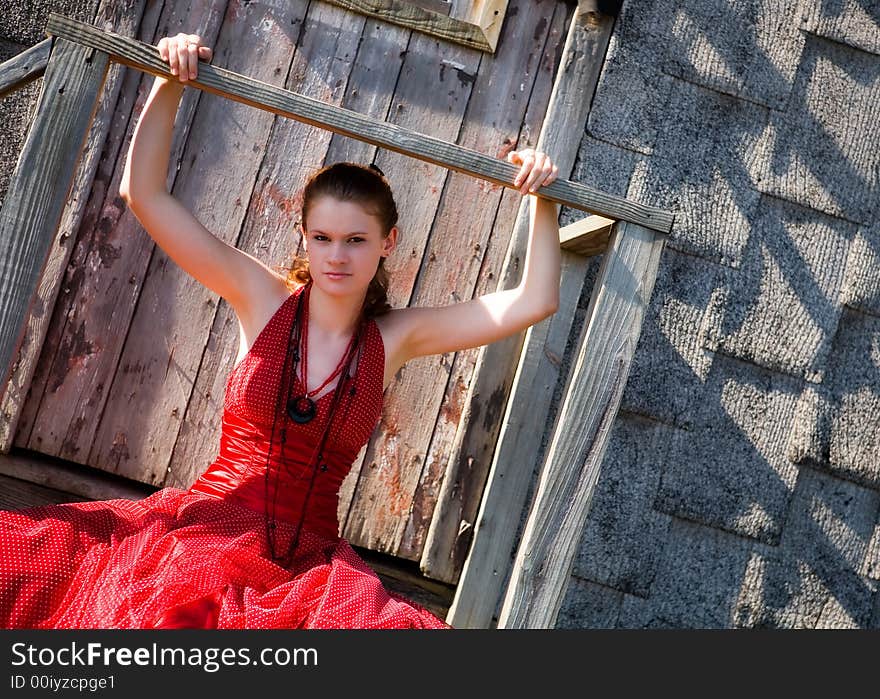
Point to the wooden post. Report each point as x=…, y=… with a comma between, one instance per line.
x=41, y=181
x=556, y=522
x=482, y=553
x=240, y=88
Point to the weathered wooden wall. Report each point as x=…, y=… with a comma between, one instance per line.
x=131, y=374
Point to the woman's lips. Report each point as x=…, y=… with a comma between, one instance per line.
x=336, y=275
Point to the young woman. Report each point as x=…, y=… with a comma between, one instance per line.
x=254, y=542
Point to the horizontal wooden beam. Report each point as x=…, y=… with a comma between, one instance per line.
x=91, y=484
x=258, y=94
x=422, y=18
x=25, y=67
x=442, y=7
x=589, y=236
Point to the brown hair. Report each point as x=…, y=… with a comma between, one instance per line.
x=366, y=186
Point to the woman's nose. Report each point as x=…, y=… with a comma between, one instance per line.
x=337, y=254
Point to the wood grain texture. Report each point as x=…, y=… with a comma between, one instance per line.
x=16, y=493
x=40, y=184
x=390, y=136
x=370, y=88
x=29, y=65
x=489, y=16
x=71, y=482
x=442, y=7
x=588, y=236
x=429, y=95
x=53, y=293
x=507, y=110
x=105, y=274
x=170, y=328
x=568, y=476
x=319, y=61
x=471, y=458
x=421, y=19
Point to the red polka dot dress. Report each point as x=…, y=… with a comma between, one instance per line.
x=203, y=557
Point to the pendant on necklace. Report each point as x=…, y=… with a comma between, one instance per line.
x=301, y=409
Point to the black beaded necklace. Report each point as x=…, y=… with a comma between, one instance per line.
x=302, y=408
x=302, y=413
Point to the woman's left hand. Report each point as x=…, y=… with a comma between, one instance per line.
x=536, y=170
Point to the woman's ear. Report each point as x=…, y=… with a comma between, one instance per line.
x=389, y=242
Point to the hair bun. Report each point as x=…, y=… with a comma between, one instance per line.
x=375, y=167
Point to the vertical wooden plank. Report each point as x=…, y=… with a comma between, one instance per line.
x=39, y=186
x=171, y=325
x=497, y=517
x=454, y=525
x=556, y=521
x=431, y=97
x=104, y=276
x=119, y=16
x=371, y=86
x=328, y=39
x=369, y=92
x=510, y=99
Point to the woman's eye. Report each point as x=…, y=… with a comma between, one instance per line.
x=356, y=239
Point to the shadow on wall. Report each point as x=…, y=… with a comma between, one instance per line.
x=741, y=484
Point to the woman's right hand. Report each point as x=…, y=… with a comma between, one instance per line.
x=183, y=52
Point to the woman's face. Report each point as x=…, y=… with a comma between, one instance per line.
x=344, y=244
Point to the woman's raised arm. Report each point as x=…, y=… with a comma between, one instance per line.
x=492, y=317
x=229, y=272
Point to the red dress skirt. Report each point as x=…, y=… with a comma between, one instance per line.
x=200, y=558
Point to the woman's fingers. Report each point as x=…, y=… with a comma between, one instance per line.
x=182, y=61
x=172, y=57
x=526, y=160
x=536, y=170
x=522, y=177
x=189, y=56
x=185, y=67
x=538, y=173
x=194, y=42
x=183, y=52
x=546, y=174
